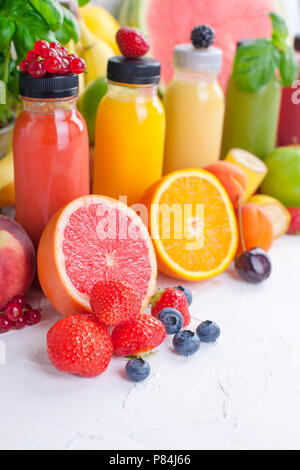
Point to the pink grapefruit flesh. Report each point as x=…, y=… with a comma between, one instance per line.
x=94, y=238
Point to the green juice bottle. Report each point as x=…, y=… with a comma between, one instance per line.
x=251, y=118
x=261, y=68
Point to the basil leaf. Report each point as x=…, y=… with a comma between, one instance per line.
x=51, y=12
x=7, y=30
x=289, y=68
x=30, y=27
x=280, y=31
x=69, y=29
x=81, y=3
x=15, y=7
x=2, y=92
x=255, y=64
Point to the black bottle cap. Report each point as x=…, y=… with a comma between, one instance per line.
x=244, y=42
x=297, y=42
x=143, y=71
x=49, y=86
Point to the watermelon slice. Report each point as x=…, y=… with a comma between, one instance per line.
x=169, y=22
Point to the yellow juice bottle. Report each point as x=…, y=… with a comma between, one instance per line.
x=130, y=130
x=194, y=104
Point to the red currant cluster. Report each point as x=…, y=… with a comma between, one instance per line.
x=51, y=58
x=17, y=314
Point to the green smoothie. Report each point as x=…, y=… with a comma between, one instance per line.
x=251, y=118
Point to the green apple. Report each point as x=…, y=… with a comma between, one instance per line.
x=283, y=178
x=89, y=102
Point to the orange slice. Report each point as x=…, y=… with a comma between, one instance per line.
x=192, y=224
x=91, y=239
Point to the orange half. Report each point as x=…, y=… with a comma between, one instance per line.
x=192, y=225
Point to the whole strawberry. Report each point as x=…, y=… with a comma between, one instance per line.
x=132, y=42
x=174, y=298
x=80, y=345
x=114, y=302
x=138, y=336
x=295, y=222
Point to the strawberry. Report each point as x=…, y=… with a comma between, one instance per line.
x=174, y=298
x=114, y=302
x=80, y=344
x=138, y=336
x=132, y=42
x=295, y=223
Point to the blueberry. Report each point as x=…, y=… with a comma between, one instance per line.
x=254, y=266
x=172, y=319
x=208, y=331
x=137, y=369
x=187, y=293
x=186, y=342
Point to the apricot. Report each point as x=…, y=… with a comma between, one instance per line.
x=232, y=177
x=257, y=228
x=17, y=260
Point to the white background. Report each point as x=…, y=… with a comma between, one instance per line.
x=292, y=8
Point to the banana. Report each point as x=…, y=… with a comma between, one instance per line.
x=7, y=186
x=96, y=53
x=72, y=50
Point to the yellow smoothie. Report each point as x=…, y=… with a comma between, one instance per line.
x=195, y=113
x=195, y=105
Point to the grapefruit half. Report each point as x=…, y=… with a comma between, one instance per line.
x=91, y=239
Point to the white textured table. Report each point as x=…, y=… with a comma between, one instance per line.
x=242, y=393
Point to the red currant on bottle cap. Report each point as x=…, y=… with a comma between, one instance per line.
x=31, y=55
x=36, y=68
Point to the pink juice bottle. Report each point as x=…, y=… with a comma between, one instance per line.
x=289, y=124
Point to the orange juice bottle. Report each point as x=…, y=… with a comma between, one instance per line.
x=130, y=130
x=194, y=104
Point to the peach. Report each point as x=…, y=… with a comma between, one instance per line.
x=232, y=177
x=17, y=260
x=257, y=228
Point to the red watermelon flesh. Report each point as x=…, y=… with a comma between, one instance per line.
x=169, y=22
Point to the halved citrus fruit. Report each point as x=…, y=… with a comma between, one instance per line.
x=254, y=167
x=91, y=239
x=192, y=224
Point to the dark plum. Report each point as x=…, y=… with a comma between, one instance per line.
x=254, y=266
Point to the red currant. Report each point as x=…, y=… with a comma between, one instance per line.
x=24, y=65
x=51, y=52
x=63, y=51
x=77, y=65
x=32, y=317
x=13, y=311
x=19, y=299
x=65, y=66
x=40, y=47
x=36, y=68
x=26, y=307
x=5, y=324
x=53, y=64
x=31, y=55
x=20, y=323
x=54, y=45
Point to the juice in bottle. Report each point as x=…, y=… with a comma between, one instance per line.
x=251, y=117
x=194, y=104
x=51, y=151
x=289, y=123
x=130, y=130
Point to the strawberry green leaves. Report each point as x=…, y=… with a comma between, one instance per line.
x=258, y=62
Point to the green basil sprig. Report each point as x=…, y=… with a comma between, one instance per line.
x=22, y=23
x=257, y=63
